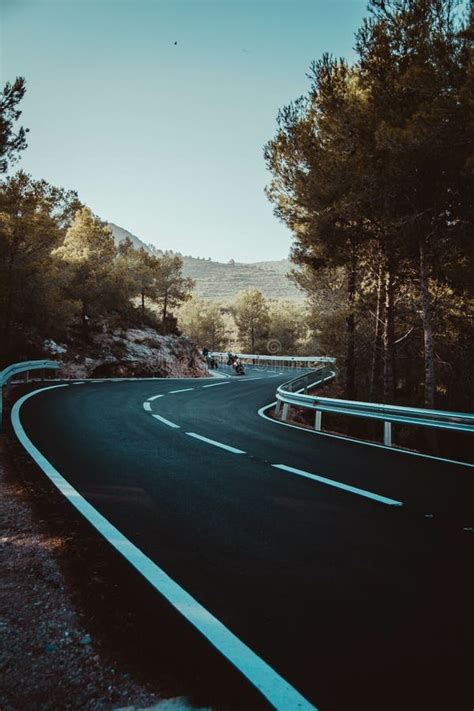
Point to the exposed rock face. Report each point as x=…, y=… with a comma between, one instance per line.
x=132, y=353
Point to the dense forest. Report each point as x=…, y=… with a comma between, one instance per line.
x=373, y=172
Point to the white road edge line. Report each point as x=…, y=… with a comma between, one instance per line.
x=165, y=421
x=340, y=485
x=155, y=397
x=215, y=385
x=216, y=444
x=147, y=406
x=352, y=440
x=183, y=390
x=269, y=683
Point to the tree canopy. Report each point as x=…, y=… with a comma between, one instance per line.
x=373, y=173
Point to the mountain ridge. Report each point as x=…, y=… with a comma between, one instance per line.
x=222, y=281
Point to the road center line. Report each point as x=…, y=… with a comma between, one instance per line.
x=215, y=385
x=154, y=397
x=183, y=390
x=216, y=444
x=165, y=421
x=339, y=485
x=147, y=406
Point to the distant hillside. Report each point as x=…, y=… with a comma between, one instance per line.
x=120, y=234
x=221, y=282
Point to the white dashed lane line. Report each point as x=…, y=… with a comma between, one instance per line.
x=283, y=467
x=183, y=390
x=339, y=485
x=165, y=421
x=215, y=385
x=216, y=444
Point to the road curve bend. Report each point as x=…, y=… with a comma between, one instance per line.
x=332, y=574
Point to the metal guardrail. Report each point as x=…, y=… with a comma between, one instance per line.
x=280, y=360
x=24, y=367
x=295, y=393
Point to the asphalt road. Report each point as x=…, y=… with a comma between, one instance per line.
x=357, y=602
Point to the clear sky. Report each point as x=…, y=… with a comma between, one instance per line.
x=166, y=139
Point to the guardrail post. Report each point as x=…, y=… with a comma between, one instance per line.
x=284, y=414
x=387, y=434
x=317, y=420
x=278, y=407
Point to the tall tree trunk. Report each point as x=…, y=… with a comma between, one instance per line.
x=165, y=307
x=388, y=336
x=377, y=348
x=427, y=330
x=350, y=325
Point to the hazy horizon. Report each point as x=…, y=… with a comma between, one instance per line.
x=163, y=139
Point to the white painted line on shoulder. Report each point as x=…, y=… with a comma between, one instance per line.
x=340, y=485
x=155, y=397
x=183, y=390
x=165, y=421
x=393, y=450
x=216, y=444
x=147, y=406
x=215, y=385
x=79, y=383
x=269, y=683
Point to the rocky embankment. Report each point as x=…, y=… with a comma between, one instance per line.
x=132, y=352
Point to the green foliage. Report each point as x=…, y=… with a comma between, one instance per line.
x=251, y=314
x=287, y=328
x=60, y=270
x=138, y=270
x=11, y=143
x=88, y=254
x=172, y=289
x=34, y=217
x=372, y=172
x=203, y=322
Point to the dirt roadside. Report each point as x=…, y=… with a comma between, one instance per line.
x=48, y=656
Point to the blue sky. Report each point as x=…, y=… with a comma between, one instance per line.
x=166, y=140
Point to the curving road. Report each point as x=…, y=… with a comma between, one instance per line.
x=344, y=567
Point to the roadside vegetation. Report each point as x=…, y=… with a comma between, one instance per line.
x=373, y=174
x=63, y=278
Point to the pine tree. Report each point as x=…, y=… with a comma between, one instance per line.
x=11, y=143
x=251, y=316
x=88, y=251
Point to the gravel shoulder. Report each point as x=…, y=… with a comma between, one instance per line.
x=48, y=655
